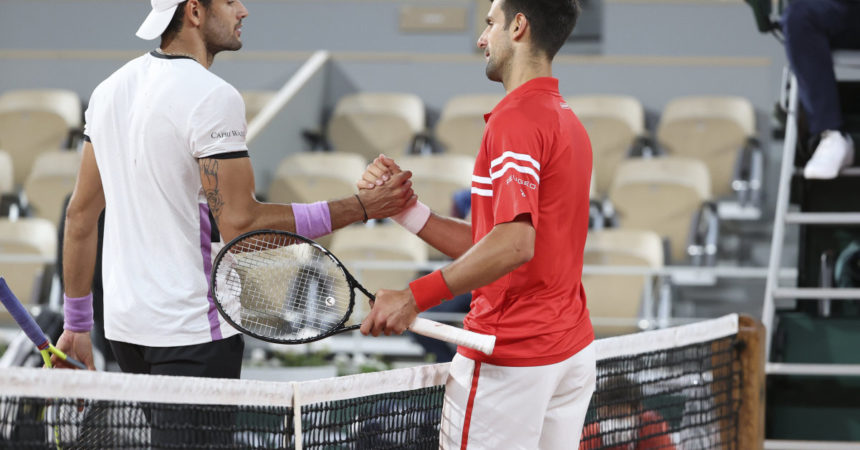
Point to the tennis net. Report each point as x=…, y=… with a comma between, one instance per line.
x=681, y=386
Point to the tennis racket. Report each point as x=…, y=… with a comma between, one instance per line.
x=31, y=328
x=284, y=288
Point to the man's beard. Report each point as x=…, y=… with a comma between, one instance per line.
x=498, y=63
x=492, y=74
x=219, y=45
x=494, y=70
x=217, y=40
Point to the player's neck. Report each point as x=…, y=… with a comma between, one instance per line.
x=524, y=69
x=183, y=44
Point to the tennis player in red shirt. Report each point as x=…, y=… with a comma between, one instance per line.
x=522, y=254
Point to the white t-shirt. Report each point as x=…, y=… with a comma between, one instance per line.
x=149, y=122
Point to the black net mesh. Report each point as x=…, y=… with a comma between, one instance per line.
x=408, y=419
x=686, y=397
x=88, y=424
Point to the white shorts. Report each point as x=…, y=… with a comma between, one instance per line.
x=536, y=407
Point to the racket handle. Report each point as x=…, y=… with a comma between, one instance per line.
x=483, y=343
x=66, y=357
x=24, y=319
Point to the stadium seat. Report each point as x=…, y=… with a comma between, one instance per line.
x=34, y=240
x=372, y=123
x=614, y=123
x=662, y=195
x=315, y=176
x=592, y=187
x=7, y=186
x=34, y=121
x=436, y=177
x=619, y=296
x=461, y=123
x=714, y=129
x=50, y=182
x=389, y=242
x=255, y=101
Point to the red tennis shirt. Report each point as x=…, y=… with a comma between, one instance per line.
x=535, y=159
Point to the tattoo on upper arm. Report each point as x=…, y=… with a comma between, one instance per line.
x=209, y=171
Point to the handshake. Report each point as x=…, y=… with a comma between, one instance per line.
x=386, y=191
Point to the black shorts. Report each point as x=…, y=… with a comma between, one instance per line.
x=216, y=359
x=203, y=427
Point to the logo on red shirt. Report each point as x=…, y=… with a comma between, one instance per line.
x=521, y=182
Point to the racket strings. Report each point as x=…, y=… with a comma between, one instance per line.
x=282, y=288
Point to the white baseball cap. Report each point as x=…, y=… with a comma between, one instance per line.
x=158, y=19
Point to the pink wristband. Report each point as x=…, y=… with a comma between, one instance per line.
x=430, y=290
x=413, y=218
x=78, y=312
x=312, y=219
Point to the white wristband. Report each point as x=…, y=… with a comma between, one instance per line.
x=414, y=217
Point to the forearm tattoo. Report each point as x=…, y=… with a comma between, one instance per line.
x=209, y=168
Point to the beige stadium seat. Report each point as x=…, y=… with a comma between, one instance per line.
x=614, y=123
x=370, y=123
x=619, y=296
x=592, y=187
x=461, y=123
x=436, y=177
x=7, y=184
x=255, y=101
x=50, y=182
x=34, y=121
x=389, y=242
x=712, y=128
x=315, y=176
x=661, y=195
x=32, y=238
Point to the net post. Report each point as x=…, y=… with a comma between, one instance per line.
x=751, y=333
x=297, y=416
x=725, y=388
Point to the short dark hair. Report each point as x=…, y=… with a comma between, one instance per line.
x=551, y=21
x=176, y=22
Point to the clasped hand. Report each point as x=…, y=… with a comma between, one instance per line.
x=393, y=311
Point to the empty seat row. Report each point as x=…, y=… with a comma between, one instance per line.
x=715, y=129
x=50, y=180
x=609, y=295
x=33, y=122
x=619, y=296
x=37, y=126
x=26, y=244
x=314, y=176
x=374, y=123
x=662, y=194
x=674, y=185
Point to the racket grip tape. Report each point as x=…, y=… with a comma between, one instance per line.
x=24, y=319
x=67, y=358
x=483, y=343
